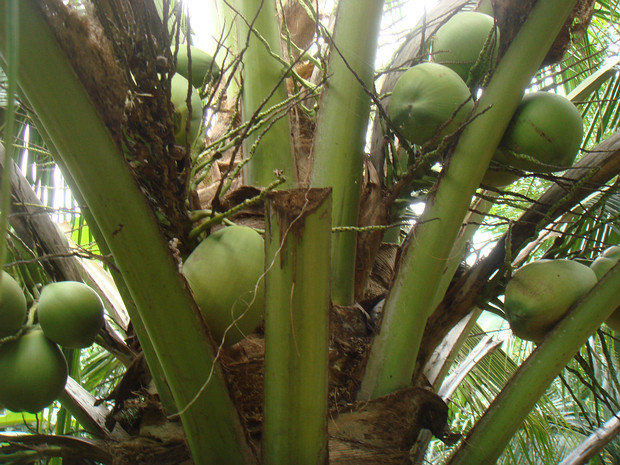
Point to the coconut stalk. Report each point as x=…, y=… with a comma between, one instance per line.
x=225, y=23
x=341, y=129
x=414, y=290
x=490, y=435
x=480, y=207
x=452, y=344
x=130, y=229
x=297, y=302
x=81, y=404
x=269, y=148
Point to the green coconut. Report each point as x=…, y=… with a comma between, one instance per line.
x=459, y=43
x=204, y=69
x=601, y=266
x=540, y=293
x=498, y=175
x=178, y=90
x=70, y=313
x=605, y=261
x=12, y=306
x=499, y=178
x=544, y=134
x=614, y=320
x=33, y=371
x=427, y=96
x=224, y=273
x=485, y=6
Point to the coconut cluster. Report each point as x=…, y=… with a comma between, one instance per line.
x=179, y=88
x=33, y=368
x=433, y=100
x=540, y=293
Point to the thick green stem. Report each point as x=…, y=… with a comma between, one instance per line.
x=395, y=349
x=263, y=87
x=184, y=349
x=341, y=129
x=486, y=441
x=439, y=369
x=470, y=225
x=297, y=300
x=11, y=23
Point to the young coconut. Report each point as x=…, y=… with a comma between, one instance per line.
x=204, y=69
x=605, y=262
x=426, y=97
x=178, y=95
x=498, y=175
x=33, y=372
x=486, y=7
x=70, y=313
x=12, y=306
x=224, y=273
x=459, y=43
x=540, y=293
x=545, y=134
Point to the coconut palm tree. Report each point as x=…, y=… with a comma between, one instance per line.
x=378, y=341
